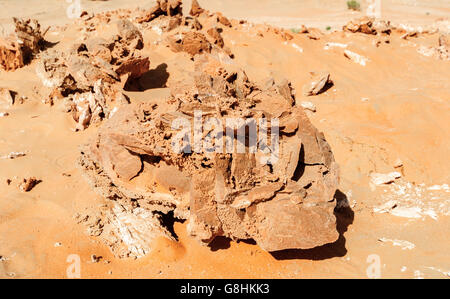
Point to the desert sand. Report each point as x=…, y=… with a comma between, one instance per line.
x=388, y=114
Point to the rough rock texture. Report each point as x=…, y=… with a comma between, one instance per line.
x=19, y=48
x=192, y=43
x=364, y=25
x=90, y=77
x=281, y=199
x=129, y=232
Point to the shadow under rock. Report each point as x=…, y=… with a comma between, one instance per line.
x=155, y=78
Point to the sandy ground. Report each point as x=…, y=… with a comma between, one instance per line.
x=397, y=106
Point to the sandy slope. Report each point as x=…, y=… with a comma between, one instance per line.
x=397, y=106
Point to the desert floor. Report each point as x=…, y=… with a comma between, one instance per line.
x=395, y=107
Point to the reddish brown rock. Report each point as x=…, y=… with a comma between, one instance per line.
x=288, y=204
x=195, y=43
x=19, y=48
x=364, y=25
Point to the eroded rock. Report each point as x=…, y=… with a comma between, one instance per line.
x=19, y=48
x=363, y=25
x=281, y=196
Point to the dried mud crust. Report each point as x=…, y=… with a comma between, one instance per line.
x=288, y=204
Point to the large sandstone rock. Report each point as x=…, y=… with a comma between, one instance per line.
x=280, y=198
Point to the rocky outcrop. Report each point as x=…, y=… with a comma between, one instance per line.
x=281, y=195
x=363, y=25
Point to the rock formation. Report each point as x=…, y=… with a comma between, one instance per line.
x=19, y=48
x=281, y=196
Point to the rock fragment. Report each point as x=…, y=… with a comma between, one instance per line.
x=223, y=20
x=318, y=83
x=162, y=8
x=28, y=184
x=196, y=10
x=380, y=178
x=363, y=25
x=356, y=58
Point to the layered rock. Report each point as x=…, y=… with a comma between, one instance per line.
x=281, y=195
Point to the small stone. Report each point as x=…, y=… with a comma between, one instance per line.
x=28, y=184
x=308, y=106
x=95, y=258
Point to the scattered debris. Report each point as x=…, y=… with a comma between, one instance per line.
x=363, y=25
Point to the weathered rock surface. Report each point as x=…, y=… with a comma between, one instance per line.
x=192, y=43
x=281, y=197
x=363, y=24
x=90, y=77
x=19, y=48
